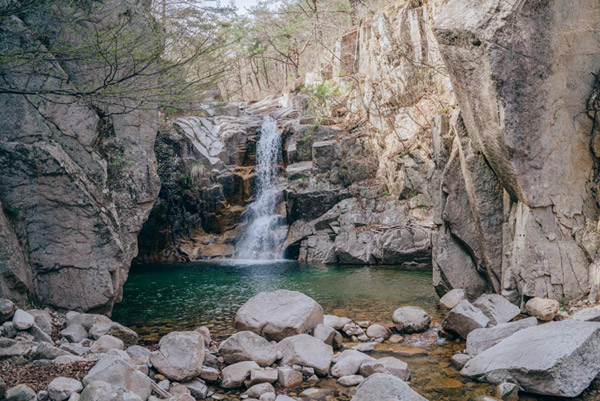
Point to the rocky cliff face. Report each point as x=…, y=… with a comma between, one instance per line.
x=77, y=183
x=516, y=176
x=353, y=191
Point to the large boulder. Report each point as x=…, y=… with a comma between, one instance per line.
x=588, y=314
x=381, y=386
x=481, y=339
x=389, y=365
x=345, y=367
x=497, y=308
x=7, y=309
x=9, y=347
x=541, y=308
x=125, y=334
x=235, y=375
x=464, y=318
x=452, y=298
x=43, y=320
x=87, y=320
x=558, y=359
x=61, y=388
x=21, y=392
x=23, y=320
x=306, y=350
x=328, y=335
x=105, y=344
x=248, y=346
x=180, y=355
x=118, y=373
x=412, y=319
x=74, y=333
x=351, y=353
x=279, y=314
x=103, y=391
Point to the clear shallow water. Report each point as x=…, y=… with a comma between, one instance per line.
x=159, y=298
x=162, y=298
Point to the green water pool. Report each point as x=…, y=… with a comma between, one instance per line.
x=162, y=297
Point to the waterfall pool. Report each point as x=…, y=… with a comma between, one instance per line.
x=161, y=298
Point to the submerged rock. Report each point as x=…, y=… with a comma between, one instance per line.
x=180, y=356
x=279, y=314
x=248, y=346
x=558, y=359
x=380, y=386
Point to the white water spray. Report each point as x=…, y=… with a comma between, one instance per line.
x=260, y=240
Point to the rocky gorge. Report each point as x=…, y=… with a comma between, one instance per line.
x=462, y=137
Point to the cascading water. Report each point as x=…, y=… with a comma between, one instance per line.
x=260, y=240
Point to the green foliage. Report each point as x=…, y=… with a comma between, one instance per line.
x=320, y=96
x=12, y=212
x=121, y=162
x=113, y=55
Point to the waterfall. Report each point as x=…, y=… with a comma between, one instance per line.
x=260, y=240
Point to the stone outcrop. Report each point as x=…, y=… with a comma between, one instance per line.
x=558, y=358
x=514, y=185
x=77, y=180
x=355, y=191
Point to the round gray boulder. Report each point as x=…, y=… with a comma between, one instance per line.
x=412, y=318
x=279, y=314
x=381, y=386
x=181, y=355
x=248, y=346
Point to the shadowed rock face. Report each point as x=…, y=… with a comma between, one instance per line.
x=515, y=174
x=77, y=183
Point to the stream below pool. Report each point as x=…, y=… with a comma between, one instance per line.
x=161, y=298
